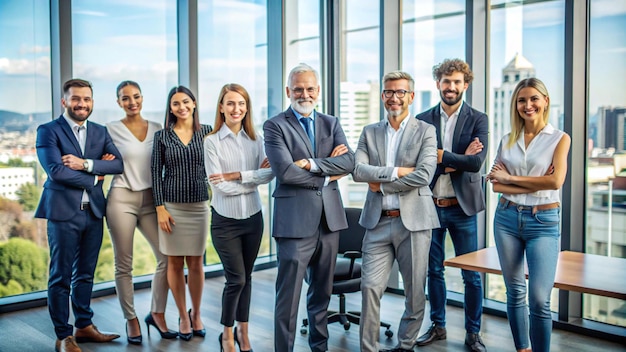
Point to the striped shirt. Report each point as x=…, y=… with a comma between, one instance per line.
x=177, y=169
x=226, y=152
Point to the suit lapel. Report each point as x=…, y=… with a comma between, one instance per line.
x=407, y=138
x=380, y=140
x=437, y=124
x=292, y=119
x=65, y=127
x=460, y=123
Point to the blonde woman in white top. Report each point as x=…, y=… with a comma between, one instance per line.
x=529, y=170
x=130, y=205
x=235, y=163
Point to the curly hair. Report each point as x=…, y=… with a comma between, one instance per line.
x=449, y=66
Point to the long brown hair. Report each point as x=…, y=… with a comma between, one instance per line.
x=517, y=122
x=247, y=121
x=170, y=118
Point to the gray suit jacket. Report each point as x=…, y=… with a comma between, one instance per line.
x=466, y=180
x=417, y=148
x=300, y=197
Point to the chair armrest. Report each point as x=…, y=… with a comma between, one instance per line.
x=352, y=255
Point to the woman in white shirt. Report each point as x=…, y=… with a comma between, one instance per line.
x=129, y=206
x=529, y=170
x=235, y=163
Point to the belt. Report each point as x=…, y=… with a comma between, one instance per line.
x=534, y=208
x=85, y=206
x=393, y=213
x=445, y=202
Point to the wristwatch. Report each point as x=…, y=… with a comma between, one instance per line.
x=85, y=165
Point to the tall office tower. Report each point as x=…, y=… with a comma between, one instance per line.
x=500, y=119
x=359, y=105
x=610, y=128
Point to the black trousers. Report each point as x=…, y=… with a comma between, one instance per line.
x=237, y=243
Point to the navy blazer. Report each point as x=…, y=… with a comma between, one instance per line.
x=300, y=197
x=466, y=180
x=63, y=190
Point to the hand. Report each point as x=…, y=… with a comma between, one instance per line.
x=339, y=150
x=303, y=164
x=550, y=170
x=228, y=176
x=474, y=147
x=403, y=171
x=448, y=170
x=100, y=178
x=374, y=186
x=166, y=221
x=108, y=157
x=500, y=174
x=439, y=156
x=335, y=177
x=73, y=162
x=265, y=164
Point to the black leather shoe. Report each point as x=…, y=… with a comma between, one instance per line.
x=200, y=332
x=169, y=334
x=474, y=342
x=134, y=340
x=397, y=349
x=433, y=334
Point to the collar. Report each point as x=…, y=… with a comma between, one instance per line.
x=73, y=123
x=402, y=124
x=225, y=132
x=455, y=113
x=299, y=116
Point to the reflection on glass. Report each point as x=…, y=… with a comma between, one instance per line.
x=132, y=41
x=24, y=104
x=231, y=53
x=605, y=233
x=431, y=32
x=526, y=41
x=359, y=87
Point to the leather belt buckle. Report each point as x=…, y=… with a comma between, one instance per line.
x=445, y=202
x=84, y=206
x=394, y=213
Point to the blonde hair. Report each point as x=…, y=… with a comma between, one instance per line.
x=246, y=123
x=517, y=122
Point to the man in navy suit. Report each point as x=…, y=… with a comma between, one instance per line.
x=308, y=153
x=458, y=195
x=76, y=155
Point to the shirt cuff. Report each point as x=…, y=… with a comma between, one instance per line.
x=314, y=167
x=246, y=176
x=90, y=165
x=394, y=174
x=326, y=181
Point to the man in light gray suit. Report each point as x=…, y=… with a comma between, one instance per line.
x=308, y=153
x=397, y=157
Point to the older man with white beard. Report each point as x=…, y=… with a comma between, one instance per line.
x=308, y=153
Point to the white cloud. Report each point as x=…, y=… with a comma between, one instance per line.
x=37, y=66
x=37, y=49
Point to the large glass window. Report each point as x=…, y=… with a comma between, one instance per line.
x=25, y=102
x=431, y=32
x=606, y=177
x=129, y=41
x=527, y=40
x=302, y=35
x=230, y=53
x=359, y=87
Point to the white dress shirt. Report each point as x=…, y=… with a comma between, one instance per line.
x=392, y=139
x=443, y=187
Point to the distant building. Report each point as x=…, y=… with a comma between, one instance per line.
x=12, y=178
x=610, y=128
x=359, y=105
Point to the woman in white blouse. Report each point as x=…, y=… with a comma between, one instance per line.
x=129, y=206
x=529, y=170
x=235, y=163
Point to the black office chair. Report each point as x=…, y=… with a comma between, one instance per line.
x=347, y=276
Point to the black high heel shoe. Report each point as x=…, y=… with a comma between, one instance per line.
x=134, y=340
x=185, y=337
x=237, y=341
x=219, y=339
x=201, y=332
x=169, y=334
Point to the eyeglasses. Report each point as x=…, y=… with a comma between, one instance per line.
x=300, y=91
x=400, y=93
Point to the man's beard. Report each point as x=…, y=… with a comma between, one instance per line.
x=302, y=109
x=75, y=117
x=453, y=101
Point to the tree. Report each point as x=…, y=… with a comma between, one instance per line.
x=24, y=264
x=28, y=196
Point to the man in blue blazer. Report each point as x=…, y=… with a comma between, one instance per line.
x=308, y=153
x=458, y=196
x=76, y=155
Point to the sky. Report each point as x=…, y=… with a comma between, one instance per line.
x=115, y=40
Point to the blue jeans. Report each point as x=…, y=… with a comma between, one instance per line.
x=517, y=231
x=463, y=232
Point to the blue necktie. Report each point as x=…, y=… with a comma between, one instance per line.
x=308, y=128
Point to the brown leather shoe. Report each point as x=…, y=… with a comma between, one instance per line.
x=68, y=344
x=91, y=334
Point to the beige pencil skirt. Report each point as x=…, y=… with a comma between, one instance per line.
x=189, y=235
